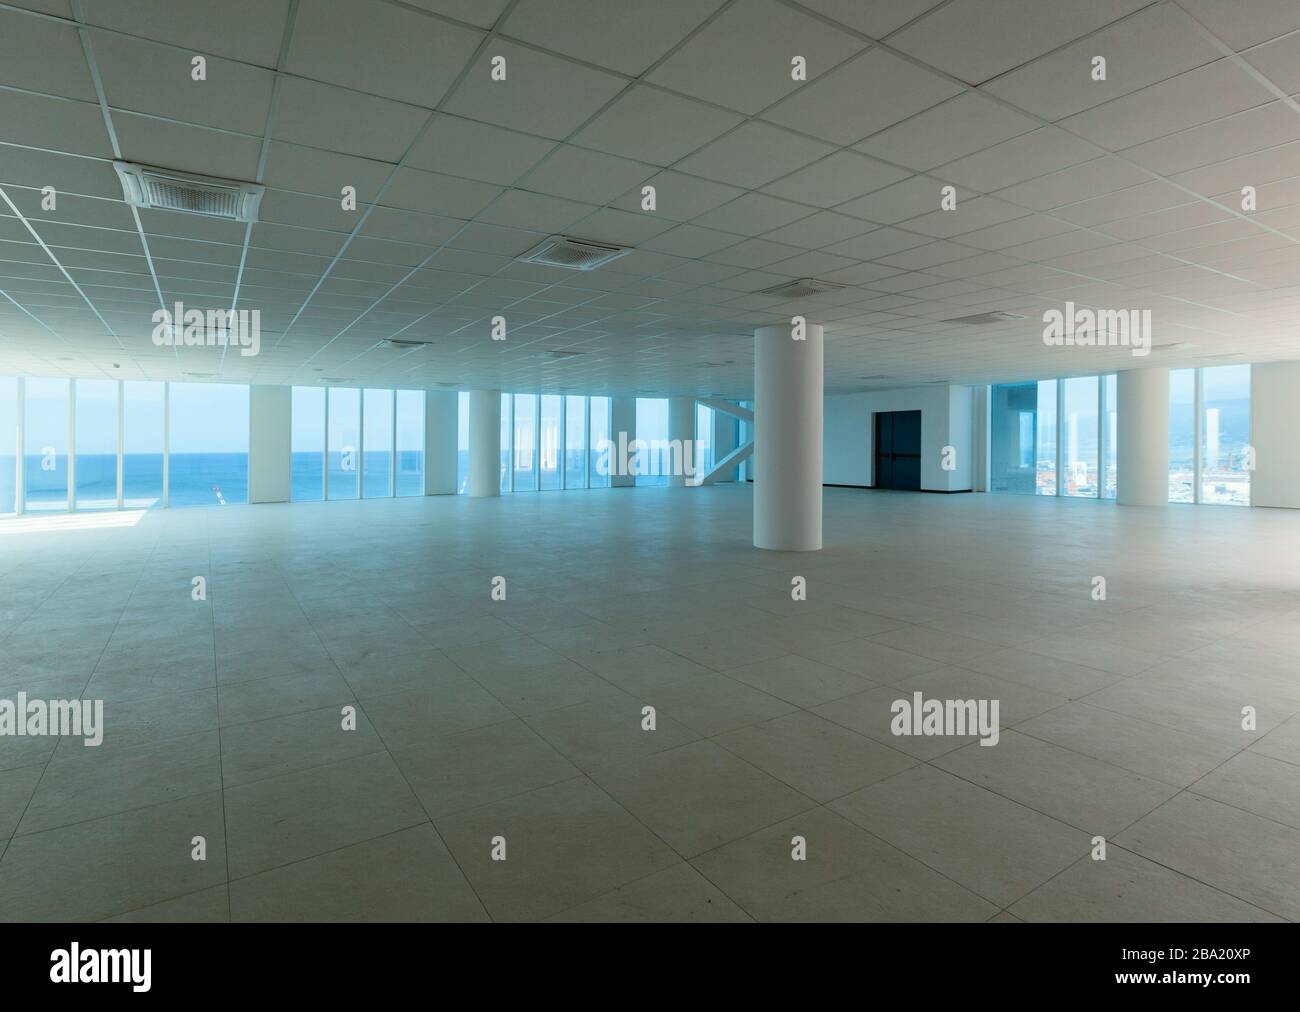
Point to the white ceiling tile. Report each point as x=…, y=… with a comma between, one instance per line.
x=1152, y=45
x=1244, y=23
x=1196, y=97
x=293, y=167
x=483, y=13
x=61, y=124
x=246, y=30
x=624, y=35
x=435, y=193
x=534, y=211
x=833, y=107
x=462, y=147
x=679, y=198
x=690, y=241
x=41, y=55
x=541, y=94
x=153, y=78
x=753, y=214
x=966, y=216
x=960, y=126
x=753, y=155
x=335, y=119
x=835, y=179
x=879, y=243
x=742, y=59
x=378, y=48
x=975, y=40
x=876, y=19
x=655, y=126
x=1265, y=126
x=818, y=230
x=893, y=204
x=622, y=228
x=752, y=253
x=585, y=175
x=1040, y=151
x=1079, y=182
x=188, y=148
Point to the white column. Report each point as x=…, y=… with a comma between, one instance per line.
x=484, y=443
x=1142, y=451
x=622, y=432
x=1274, y=422
x=441, y=421
x=788, y=385
x=270, y=421
x=681, y=431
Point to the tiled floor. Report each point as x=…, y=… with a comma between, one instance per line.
x=523, y=719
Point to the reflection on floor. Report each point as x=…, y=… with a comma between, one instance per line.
x=518, y=724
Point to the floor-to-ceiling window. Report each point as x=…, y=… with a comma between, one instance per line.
x=307, y=445
x=652, y=463
x=549, y=476
x=525, y=443
x=95, y=446
x=462, y=442
x=1013, y=438
x=8, y=444
x=575, y=442
x=507, y=413
x=598, y=442
x=1182, y=435
x=1225, y=435
x=377, y=429
x=143, y=415
x=45, y=444
x=1110, y=436
x=344, y=439
x=207, y=444
x=1053, y=437
x=1079, y=446
x=1045, y=465
x=410, y=442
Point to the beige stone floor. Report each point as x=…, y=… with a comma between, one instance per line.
x=522, y=719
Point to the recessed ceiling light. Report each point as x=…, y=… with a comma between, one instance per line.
x=198, y=375
x=1172, y=346
x=393, y=342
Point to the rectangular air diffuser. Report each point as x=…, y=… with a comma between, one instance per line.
x=171, y=190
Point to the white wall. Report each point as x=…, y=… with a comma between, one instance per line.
x=946, y=414
x=1275, y=434
x=270, y=417
x=441, y=418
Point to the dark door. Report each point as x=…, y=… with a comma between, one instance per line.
x=898, y=450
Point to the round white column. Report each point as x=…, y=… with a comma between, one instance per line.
x=484, y=443
x=1142, y=439
x=681, y=432
x=788, y=384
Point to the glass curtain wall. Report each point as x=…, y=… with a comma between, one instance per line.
x=377, y=434
x=307, y=445
x=651, y=428
x=410, y=442
x=1079, y=448
x=600, y=433
x=95, y=446
x=143, y=404
x=549, y=475
x=207, y=444
x=1182, y=435
x=8, y=444
x=344, y=438
x=46, y=432
x=1225, y=435
x=575, y=442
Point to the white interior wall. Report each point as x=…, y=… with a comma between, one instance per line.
x=1275, y=434
x=946, y=414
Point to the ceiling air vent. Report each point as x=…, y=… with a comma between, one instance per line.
x=998, y=316
x=169, y=190
x=802, y=288
x=572, y=254
x=393, y=342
